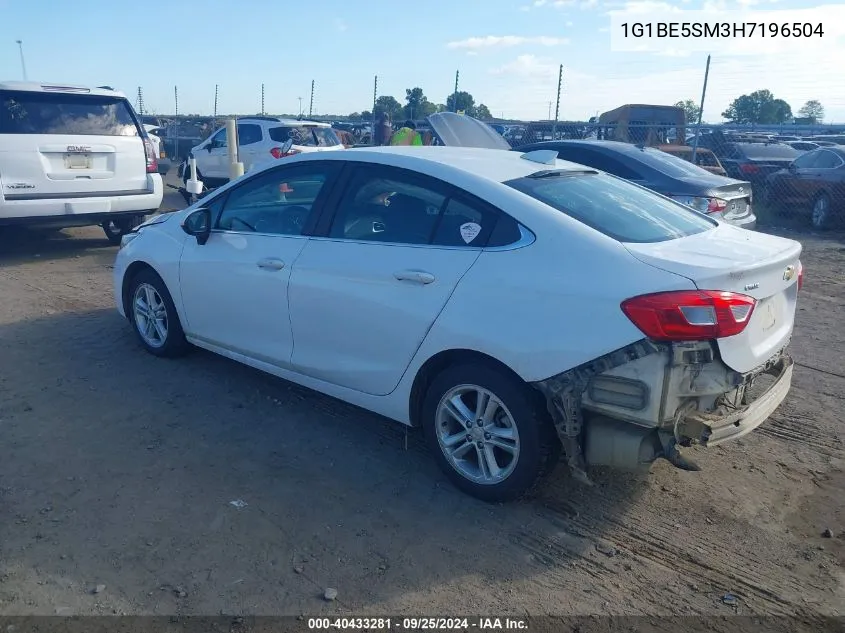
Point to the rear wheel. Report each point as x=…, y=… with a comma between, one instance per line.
x=489, y=434
x=117, y=228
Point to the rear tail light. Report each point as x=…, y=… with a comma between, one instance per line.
x=704, y=205
x=278, y=153
x=152, y=162
x=748, y=168
x=690, y=315
x=800, y=275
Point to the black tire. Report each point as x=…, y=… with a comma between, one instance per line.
x=174, y=343
x=821, y=214
x=116, y=229
x=539, y=446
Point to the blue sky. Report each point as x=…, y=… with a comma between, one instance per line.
x=508, y=53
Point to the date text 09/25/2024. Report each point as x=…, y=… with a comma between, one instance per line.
x=706, y=30
x=418, y=624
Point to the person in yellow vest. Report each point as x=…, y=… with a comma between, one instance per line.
x=407, y=135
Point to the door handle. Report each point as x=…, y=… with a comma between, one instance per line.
x=419, y=276
x=271, y=264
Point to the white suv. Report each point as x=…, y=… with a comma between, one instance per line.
x=74, y=156
x=260, y=139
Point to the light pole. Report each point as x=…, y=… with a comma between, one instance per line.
x=300, y=106
x=23, y=63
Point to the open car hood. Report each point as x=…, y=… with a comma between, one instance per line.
x=459, y=130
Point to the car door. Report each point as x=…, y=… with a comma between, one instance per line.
x=211, y=160
x=794, y=185
x=818, y=177
x=234, y=287
x=250, y=146
x=365, y=294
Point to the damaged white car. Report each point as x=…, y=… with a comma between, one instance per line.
x=515, y=306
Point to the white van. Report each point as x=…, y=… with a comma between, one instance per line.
x=74, y=156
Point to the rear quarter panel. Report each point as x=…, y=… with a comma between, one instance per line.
x=550, y=306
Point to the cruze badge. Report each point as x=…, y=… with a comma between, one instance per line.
x=789, y=273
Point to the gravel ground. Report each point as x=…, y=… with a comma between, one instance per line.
x=135, y=485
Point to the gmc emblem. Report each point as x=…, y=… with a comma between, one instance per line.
x=78, y=149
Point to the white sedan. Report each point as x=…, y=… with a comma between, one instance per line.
x=515, y=306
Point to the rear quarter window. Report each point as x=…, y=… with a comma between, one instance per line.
x=305, y=135
x=24, y=112
x=618, y=209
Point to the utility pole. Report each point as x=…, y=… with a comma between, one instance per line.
x=215, y=103
x=140, y=101
x=455, y=96
x=300, y=106
x=23, y=63
x=262, y=99
x=700, y=110
x=550, y=111
x=311, y=107
x=176, y=115
x=557, y=107
x=375, y=99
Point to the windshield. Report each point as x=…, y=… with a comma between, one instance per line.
x=25, y=112
x=764, y=151
x=308, y=135
x=615, y=207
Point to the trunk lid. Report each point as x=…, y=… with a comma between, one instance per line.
x=459, y=130
x=755, y=264
x=738, y=197
x=58, y=144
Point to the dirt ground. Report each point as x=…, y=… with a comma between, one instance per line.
x=119, y=472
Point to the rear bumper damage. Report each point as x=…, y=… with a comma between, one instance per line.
x=648, y=400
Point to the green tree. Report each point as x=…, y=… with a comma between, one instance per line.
x=417, y=104
x=758, y=107
x=691, y=110
x=390, y=105
x=482, y=112
x=463, y=100
x=366, y=115
x=812, y=110
x=354, y=116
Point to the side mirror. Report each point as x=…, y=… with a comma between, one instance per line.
x=198, y=224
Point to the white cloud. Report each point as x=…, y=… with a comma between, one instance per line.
x=568, y=23
x=494, y=41
x=340, y=25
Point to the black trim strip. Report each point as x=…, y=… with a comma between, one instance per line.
x=71, y=196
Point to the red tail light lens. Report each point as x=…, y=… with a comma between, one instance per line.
x=716, y=205
x=278, y=153
x=152, y=162
x=748, y=168
x=690, y=315
x=800, y=275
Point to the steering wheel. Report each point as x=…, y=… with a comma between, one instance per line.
x=245, y=223
x=297, y=215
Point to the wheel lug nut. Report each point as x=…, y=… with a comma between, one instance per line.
x=480, y=422
x=486, y=436
x=480, y=444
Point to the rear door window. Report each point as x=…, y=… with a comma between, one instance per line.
x=618, y=209
x=24, y=112
x=827, y=160
x=306, y=135
x=249, y=133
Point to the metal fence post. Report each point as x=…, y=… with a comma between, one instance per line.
x=700, y=110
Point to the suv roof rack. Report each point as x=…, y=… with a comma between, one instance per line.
x=260, y=117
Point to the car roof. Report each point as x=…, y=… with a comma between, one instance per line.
x=286, y=122
x=498, y=165
x=682, y=148
x=33, y=86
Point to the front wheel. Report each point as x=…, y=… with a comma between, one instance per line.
x=154, y=316
x=488, y=431
x=821, y=214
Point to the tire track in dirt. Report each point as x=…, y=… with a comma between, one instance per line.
x=802, y=430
